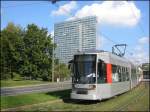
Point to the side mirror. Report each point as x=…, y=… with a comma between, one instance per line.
x=69, y=66
x=99, y=60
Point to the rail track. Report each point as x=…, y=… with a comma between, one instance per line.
x=119, y=107
x=134, y=98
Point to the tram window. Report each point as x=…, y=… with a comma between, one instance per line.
x=124, y=74
x=115, y=76
x=119, y=73
x=133, y=73
x=127, y=74
x=101, y=78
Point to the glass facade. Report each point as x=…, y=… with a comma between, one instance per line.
x=73, y=36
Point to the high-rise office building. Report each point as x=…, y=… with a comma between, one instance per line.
x=73, y=36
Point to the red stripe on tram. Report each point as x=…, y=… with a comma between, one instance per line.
x=109, y=73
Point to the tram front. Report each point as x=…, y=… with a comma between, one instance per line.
x=84, y=77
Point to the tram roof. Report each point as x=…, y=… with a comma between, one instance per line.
x=106, y=53
x=91, y=51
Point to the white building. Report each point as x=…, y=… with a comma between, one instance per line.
x=73, y=36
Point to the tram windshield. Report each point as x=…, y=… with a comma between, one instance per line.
x=85, y=69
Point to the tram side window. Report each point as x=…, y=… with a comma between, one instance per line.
x=115, y=77
x=124, y=74
x=119, y=73
x=101, y=78
x=133, y=73
x=116, y=73
x=127, y=74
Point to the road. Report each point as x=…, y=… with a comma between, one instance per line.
x=12, y=91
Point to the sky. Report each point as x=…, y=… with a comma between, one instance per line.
x=119, y=22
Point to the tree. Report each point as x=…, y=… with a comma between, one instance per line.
x=26, y=52
x=61, y=71
x=38, y=53
x=11, y=50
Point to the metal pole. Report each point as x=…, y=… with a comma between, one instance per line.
x=53, y=62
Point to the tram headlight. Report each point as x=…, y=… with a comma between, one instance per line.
x=92, y=87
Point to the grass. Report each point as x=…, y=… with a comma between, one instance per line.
x=137, y=100
x=33, y=98
x=12, y=83
x=134, y=100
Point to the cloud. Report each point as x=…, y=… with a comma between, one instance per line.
x=140, y=54
x=52, y=33
x=140, y=57
x=143, y=40
x=112, y=12
x=65, y=9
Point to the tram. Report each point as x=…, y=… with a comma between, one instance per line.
x=99, y=75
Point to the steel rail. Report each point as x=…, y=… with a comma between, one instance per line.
x=134, y=98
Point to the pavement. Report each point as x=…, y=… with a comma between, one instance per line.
x=12, y=91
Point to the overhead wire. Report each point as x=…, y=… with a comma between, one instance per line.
x=134, y=15
x=70, y=14
x=139, y=25
x=106, y=36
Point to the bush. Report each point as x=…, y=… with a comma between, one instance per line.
x=45, y=76
x=6, y=76
x=16, y=76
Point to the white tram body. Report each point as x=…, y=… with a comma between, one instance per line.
x=100, y=75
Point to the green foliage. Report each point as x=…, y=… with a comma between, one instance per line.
x=61, y=71
x=16, y=76
x=11, y=50
x=26, y=52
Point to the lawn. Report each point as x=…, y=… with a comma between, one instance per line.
x=11, y=83
x=19, y=100
x=134, y=100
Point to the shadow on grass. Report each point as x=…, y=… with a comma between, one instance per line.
x=82, y=102
x=62, y=94
x=65, y=96
x=18, y=80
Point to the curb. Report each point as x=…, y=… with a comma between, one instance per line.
x=32, y=85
